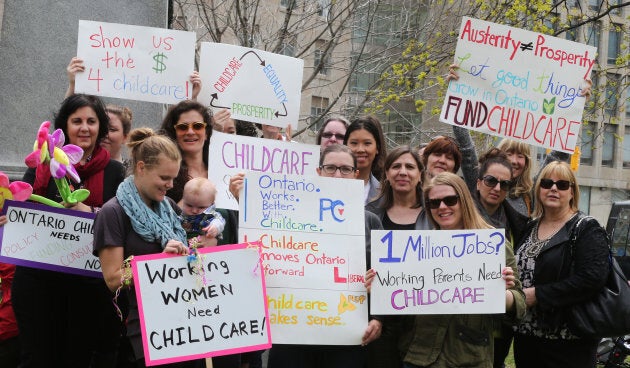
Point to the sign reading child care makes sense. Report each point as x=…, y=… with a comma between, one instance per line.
x=438, y=272
x=313, y=251
x=211, y=306
x=518, y=84
x=134, y=62
x=49, y=238
x=230, y=154
x=254, y=85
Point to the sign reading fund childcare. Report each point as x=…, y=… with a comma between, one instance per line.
x=313, y=248
x=191, y=309
x=49, y=238
x=438, y=272
x=230, y=154
x=255, y=85
x=518, y=84
x=134, y=62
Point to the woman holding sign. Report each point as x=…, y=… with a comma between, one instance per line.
x=457, y=340
x=557, y=273
x=141, y=220
x=67, y=320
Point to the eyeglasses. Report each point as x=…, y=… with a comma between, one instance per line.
x=448, y=200
x=491, y=182
x=196, y=126
x=560, y=184
x=329, y=135
x=331, y=169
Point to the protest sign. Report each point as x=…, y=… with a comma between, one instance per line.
x=518, y=84
x=49, y=238
x=438, y=271
x=313, y=249
x=134, y=62
x=230, y=154
x=211, y=306
x=255, y=85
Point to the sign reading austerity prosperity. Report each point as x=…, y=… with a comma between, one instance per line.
x=518, y=84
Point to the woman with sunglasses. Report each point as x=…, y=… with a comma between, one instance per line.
x=399, y=207
x=336, y=161
x=333, y=131
x=189, y=124
x=461, y=340
x=557, y=273
x=365, y=138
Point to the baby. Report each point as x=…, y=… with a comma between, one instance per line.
x=199, y=216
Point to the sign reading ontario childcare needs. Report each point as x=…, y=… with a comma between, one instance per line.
x=313, y=250
x=518, y=84
x=438, y=272
x=207, y=307
x=255, y=85
x=48, y=238
x=230, y=154
x=134, y=62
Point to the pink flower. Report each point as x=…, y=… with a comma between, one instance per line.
x=49, y=148
x=18, y=190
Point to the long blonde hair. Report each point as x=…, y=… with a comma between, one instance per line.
x=470, y=215
x=564, y=172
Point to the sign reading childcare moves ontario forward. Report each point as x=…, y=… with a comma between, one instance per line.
x=518, y=84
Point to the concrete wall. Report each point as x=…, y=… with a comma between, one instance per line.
x=37, y=40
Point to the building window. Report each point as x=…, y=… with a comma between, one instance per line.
x=595, y=4
x=612, y=97
x=585, y=199
x=289, y=4
x=587, y=141
x=608, y=145
x=318, y=108
x=321, y=58
x=323, y=7
x=626, y=148
x=614, y=43
x=288, y=46
x=592, y=35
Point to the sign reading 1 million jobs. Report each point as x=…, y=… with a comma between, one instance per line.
x=312, y=235
x=518, y=84
x=255, y=85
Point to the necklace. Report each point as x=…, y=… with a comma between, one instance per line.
x=536, y=244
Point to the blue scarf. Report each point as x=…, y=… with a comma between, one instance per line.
x=153, y=226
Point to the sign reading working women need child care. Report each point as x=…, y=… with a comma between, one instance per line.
x=518, y=84
x=255, y=85
x=134, y=62
x=209, y=305
x=49, y=238
x=438, y=271
x=313, y=249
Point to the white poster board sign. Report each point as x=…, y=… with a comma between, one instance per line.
x=255, y=85
x=518, y=84
x=230, y=154
x=438, y=271
x=190, y=314
x=134, y=62
x=49, y=238
x=313, y=249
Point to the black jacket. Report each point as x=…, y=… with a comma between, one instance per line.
x=565, y=275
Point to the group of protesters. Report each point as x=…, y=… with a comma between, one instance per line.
x=65, y=320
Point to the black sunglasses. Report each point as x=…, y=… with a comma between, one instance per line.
x=448, y=200
x=491, y=181
x=560, y=184
x=329, y=135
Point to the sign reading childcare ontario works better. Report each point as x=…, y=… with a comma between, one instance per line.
x=518, y=84
x=313, y=250
x=196, y=310
x=134, y=62
x=230, y=154
x=254, y=85
x=49, y=238
x=438, y=271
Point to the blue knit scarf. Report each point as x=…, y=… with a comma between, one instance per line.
x=160, y=226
